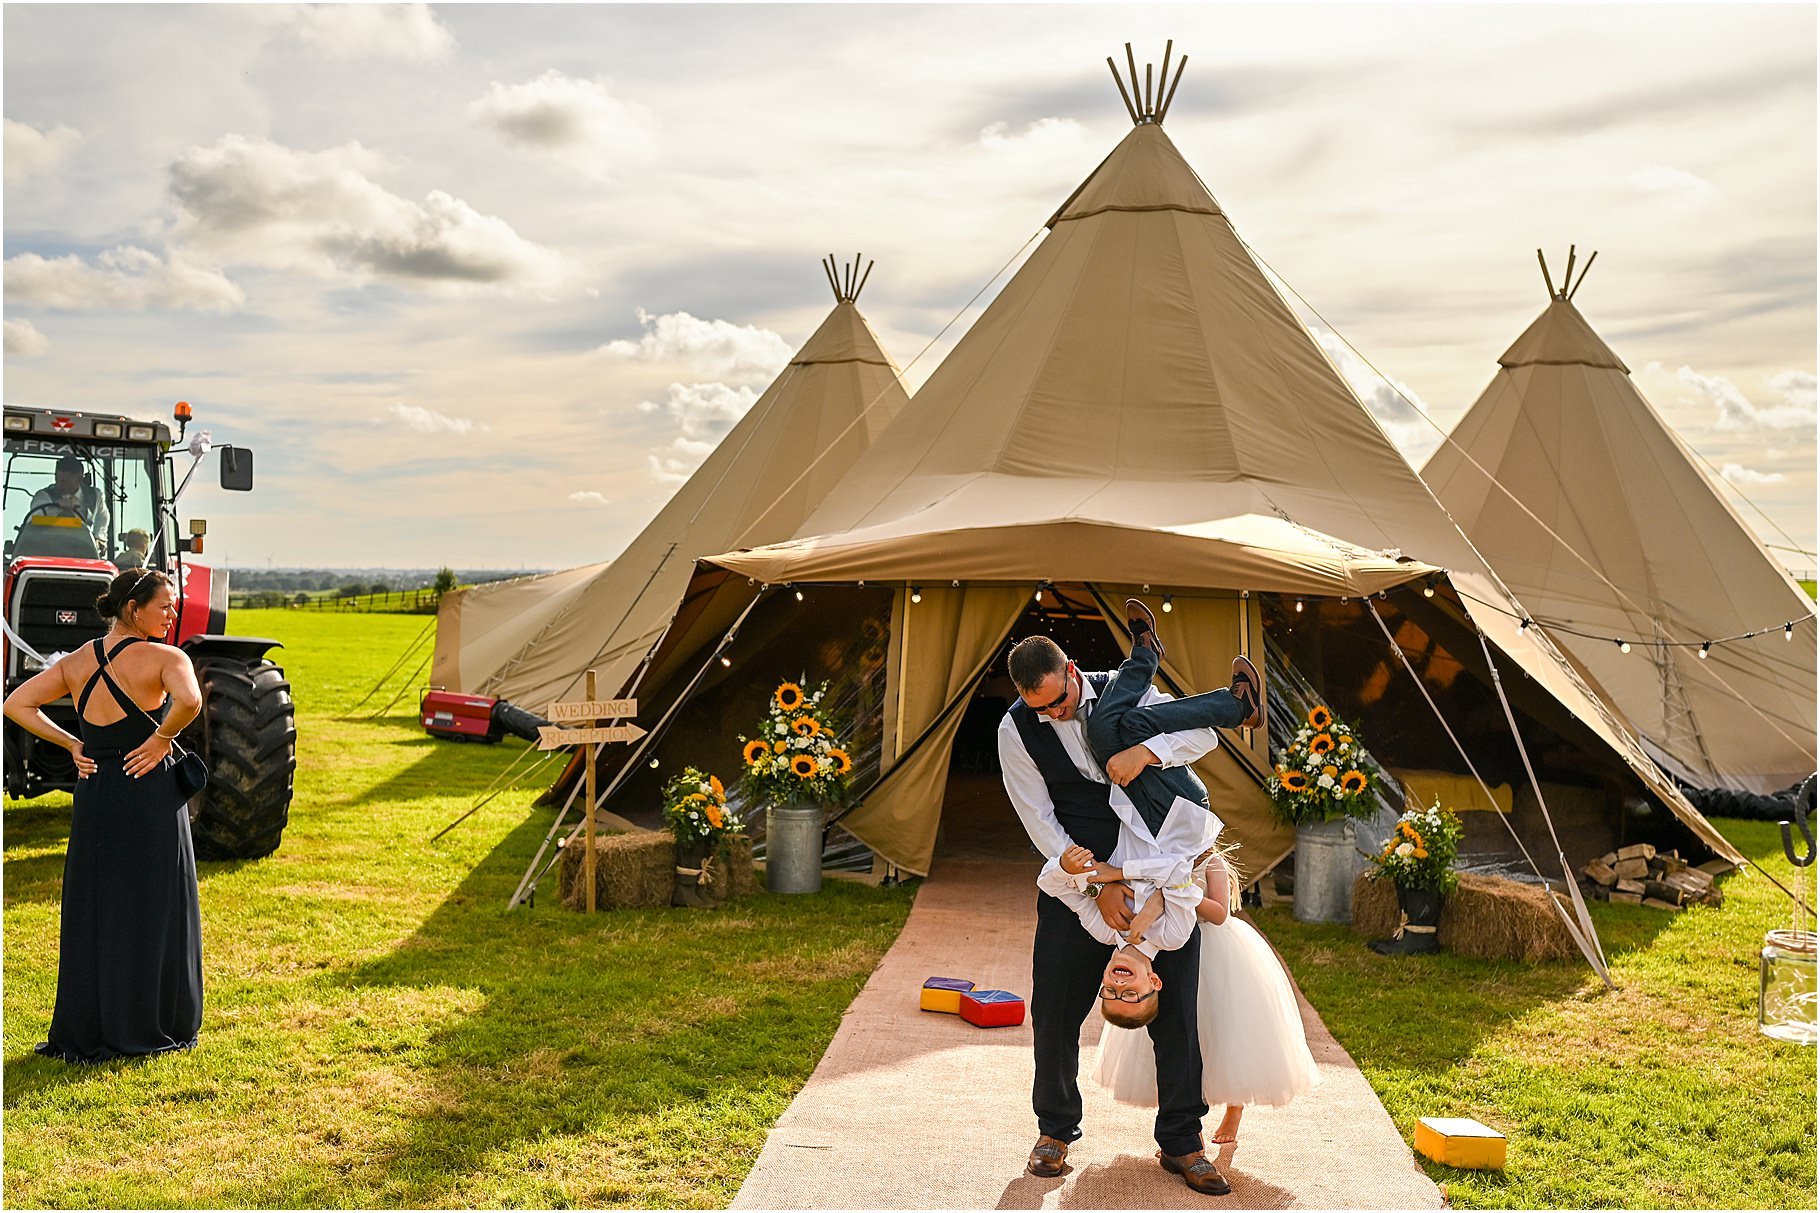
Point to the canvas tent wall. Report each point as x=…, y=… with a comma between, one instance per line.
x=529, y=640
x=1605, y=524
x=1137, y=406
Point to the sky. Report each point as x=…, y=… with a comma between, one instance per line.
x=480, y=285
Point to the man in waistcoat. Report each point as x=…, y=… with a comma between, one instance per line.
x=1064, y=799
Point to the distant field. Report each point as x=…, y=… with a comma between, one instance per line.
x=380, y=1031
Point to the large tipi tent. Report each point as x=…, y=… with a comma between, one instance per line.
x=530, y=639
x=1137, y=410
x=1607, y=529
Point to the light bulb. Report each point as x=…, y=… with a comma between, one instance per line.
x=1624, y=646
x=916, y=593
x=1039, y=593
x=1298, y=606
x=1168, y=604
x=799, y=595
x=1788, y=631
x=1523, y=624
x=654, y=764
x=1706, y=650
x=727, y=661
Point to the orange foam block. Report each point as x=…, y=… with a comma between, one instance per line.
x=992, y=1008
x=944, y=994
x=1460, y=1141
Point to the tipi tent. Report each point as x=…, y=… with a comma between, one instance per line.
x=529, y=639
x=1607, y=529
x=1137, y=410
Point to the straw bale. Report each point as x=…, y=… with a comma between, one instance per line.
x=1485, y=916
x=638, y=870
x=631, y=871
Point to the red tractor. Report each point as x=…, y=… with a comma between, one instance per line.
x=88, y=494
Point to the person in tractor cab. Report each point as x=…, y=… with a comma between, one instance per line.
x=135, y=545
x=72, y=496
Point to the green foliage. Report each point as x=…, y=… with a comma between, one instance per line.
x=695, y=808
x=381, y=1032
x=445, y=579
x=1420, y=852
x=1323, y=774
x=1660, y=1094
x=797, y=756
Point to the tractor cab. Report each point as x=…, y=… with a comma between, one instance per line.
x=86, y=495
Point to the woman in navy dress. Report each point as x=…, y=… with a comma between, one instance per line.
x=129, y=968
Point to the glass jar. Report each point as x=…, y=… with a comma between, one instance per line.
x=1786, y=998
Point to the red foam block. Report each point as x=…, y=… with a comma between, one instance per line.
x=992, y=1008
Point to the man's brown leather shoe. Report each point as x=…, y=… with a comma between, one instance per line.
x=1196, y=1172
x=1047, y=1157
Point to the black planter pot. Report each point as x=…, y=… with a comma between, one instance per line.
x=1421, y=920
x=701, y=875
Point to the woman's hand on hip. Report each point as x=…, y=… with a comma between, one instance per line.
x=148, y=755
x=85, y=766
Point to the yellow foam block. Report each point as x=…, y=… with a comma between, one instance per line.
x=944, y=994
x=1460, y=1141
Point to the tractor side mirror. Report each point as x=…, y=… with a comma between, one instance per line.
x=236, y=468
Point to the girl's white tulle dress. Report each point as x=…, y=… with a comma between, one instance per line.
x=1252, y=1047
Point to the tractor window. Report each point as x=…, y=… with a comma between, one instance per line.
x=86, y=512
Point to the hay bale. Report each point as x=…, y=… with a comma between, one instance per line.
x=631, y=871
x=1486, y=916
x=1374, y=906
x=638, y=870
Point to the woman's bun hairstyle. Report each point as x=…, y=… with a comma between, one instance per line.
x=135, y=586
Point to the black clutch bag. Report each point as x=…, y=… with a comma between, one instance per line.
x=191, y=772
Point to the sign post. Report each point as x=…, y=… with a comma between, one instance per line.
x=589, y=713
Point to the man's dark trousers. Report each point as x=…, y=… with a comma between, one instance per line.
x=1068, y=963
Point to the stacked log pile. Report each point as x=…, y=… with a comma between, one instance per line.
x=1640, y=875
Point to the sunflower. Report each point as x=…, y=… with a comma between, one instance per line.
x=714, y=782
x=806, y=726
x=803, y=766
x=714, y=817
x=755, y=750
x=1331, y=772
x=1321, y=744
x=789, y=697
x=1353, y=781
x=1295, y=781
x=842, y=763
x=1320, y=718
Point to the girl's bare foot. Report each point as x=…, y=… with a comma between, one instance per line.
x=1228, y=1132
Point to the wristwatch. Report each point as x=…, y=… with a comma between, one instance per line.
x=1094, y=890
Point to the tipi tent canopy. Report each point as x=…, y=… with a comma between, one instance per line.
x=1605, y=527
x=1138, y=409
x=529, y=640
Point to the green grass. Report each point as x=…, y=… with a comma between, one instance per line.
x=380, y=1031
x=1660, y=1095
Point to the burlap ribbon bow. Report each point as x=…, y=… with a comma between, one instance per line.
x=1403, y=924
x=704, y=875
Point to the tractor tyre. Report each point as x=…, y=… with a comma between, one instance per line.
x=247, y=732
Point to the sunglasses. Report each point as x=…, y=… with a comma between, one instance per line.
x=1059, y=700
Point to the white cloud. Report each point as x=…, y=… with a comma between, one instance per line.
x=1737, y=412
x=370, y=31
x=577, y=123
x=24, y=339
x=1042, y=138
x=1394, y=403
x=739, y=352
x=258, y=202
x=704, y=412
x=1739, y=474
x=590, y=497
x=428, y=421
x=30, y=151
x=1676, y=188
x=121, y=279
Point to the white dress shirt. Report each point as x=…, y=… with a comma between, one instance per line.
x=1168, y=877
x=1030, y=794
